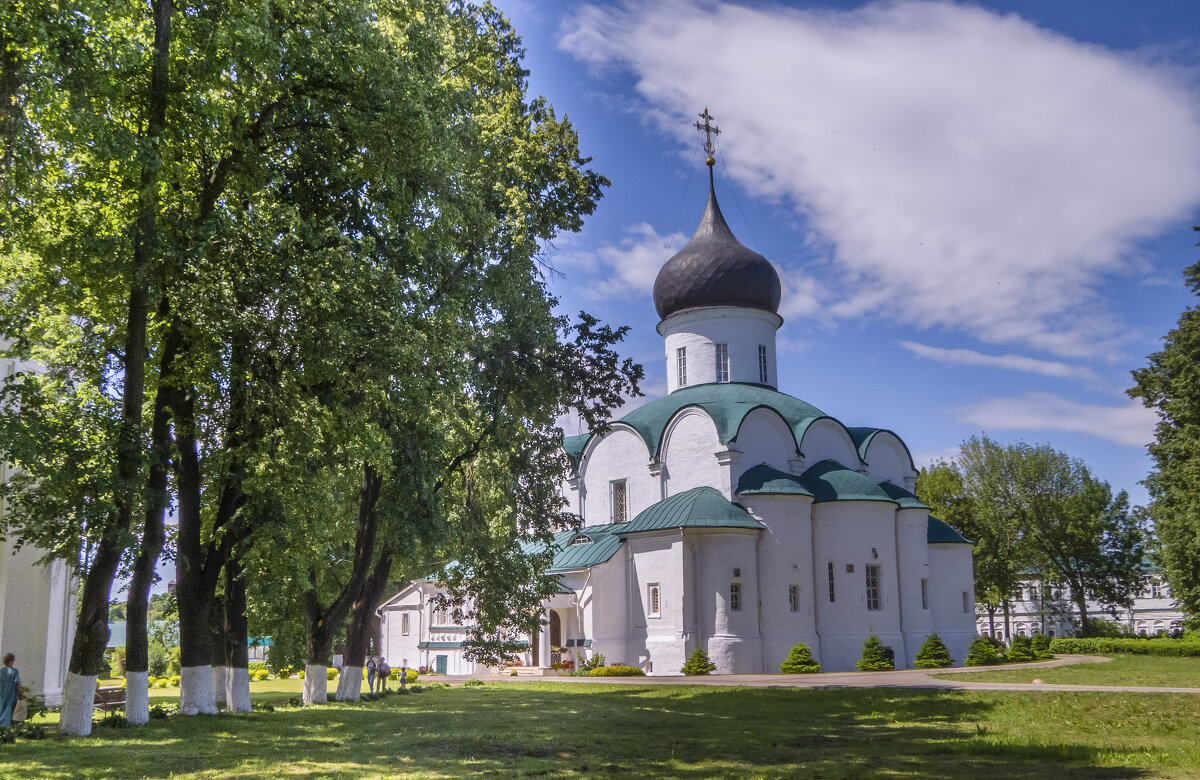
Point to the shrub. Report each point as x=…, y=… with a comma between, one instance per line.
x=698, y=663
x=173, y=680
x=1020, y=651
x=254, y=666
x=472, y=684
x=513, y=673
x=616, y=670
x=1041, y=647
x=1158, y=646
x=158, y=659
x=6, y=735
x=981, y=652
x=27, y=730
x=331, y=673
x=160, y=711
x=118, y=661
x=595, y=662
x=299, y=674
x=874, y=657
x=1110, y=629
x=410, y=676
x=113, y=720
x=800, y=661
x=259, y=674
x=161, y=682
x=933, y=654
x=174, y=666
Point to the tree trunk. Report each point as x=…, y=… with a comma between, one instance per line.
x=1080, y=597
x=991, y=610
x=220, y=672
x=1007, y=624
x=363, y=627
x=316, y=680
x=237, y=654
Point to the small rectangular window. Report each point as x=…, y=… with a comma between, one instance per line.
x=652, y=596
x=794, y=598
x=404, y=624
x=831, y=592
x=722, y=362
x=681, y=365
x=735, y=597
x=966, y=601
x=873, y=587
x=620, y=501
x=924, y=594
x=762, y=363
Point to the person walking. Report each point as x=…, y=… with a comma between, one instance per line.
x=10, y=689
x=371, y=669
x=384, y=671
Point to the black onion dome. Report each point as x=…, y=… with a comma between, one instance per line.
x=715, y=269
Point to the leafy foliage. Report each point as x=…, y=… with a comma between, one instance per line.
x=1040, y=644
x=800, y=661
x=1184, y=648
x=616, y=670
x=1020, y=650
x=981, y=652
x=933, y=654
x=874, y=656
x=698, y=663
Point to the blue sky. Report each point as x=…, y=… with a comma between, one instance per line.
x=980, y=212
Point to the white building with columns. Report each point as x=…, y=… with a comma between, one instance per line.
x=727, y=515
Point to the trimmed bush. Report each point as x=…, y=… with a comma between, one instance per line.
x=259, y=674
x=331, y=673
x=1041, y=647
x=698, y=663
x=1184, y=648
x=410, y=675
x=254, y=666
x=874, y=659
x=1020, y=651
x=933, y=654
x=616, y=670
x=800, y=661
x=174, y=680
x=981, y=652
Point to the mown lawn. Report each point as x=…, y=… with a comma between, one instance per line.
x=544, y=729
x=1121, y=670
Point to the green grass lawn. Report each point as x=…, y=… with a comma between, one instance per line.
x=548, y=729
x=1121, y=670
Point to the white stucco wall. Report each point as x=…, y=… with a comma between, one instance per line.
x=689, y=453
x=912, y=533
x=699, y=330
x=620, y=455
x=951, y=576
x=764, y=438
x=888, y=461
x=828, y=440
x=730, y=636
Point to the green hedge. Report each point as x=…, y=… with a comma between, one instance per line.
x=1158, y=646
x=617, y=671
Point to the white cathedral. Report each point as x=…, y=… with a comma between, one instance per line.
x=728, y=516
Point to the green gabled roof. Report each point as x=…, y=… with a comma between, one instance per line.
x=763, y=480
x=905, y=499
x=940, y=533
x=831, y=481
x=862, y=440
x=701, y=507
x=568, y=557
x=727, y=403
x=573, y=446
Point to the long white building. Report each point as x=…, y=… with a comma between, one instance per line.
x=728, y=515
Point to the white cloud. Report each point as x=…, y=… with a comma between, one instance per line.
x=969, y=357
x=1130, y=424
x=973, y=171
x=628, y=267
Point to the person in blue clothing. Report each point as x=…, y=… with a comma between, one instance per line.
x=10, y=689
x=371, y=673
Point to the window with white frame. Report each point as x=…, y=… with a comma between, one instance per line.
x=722, y=362
x=735, y=597
x=873, y=587
x=762, y=363
x=620, y=501
x=652, y=600
x=793, y=598
x=925, y=593
x=681, y=365
x=831, y=591
x=404, y=624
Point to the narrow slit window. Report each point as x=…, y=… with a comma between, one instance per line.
x=831, y=590
x=735, y=597
x=722, y=362
x=620, y=501
x=652, y=600
x=794, y=598
x=966, y=596
x=873, y=588
x=924, y=594
x=681, y=365
x=404, y=624
x=762, y=363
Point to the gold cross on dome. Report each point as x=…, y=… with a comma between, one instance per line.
x=709, y=130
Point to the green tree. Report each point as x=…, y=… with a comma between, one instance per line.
x=698, y=664
x=981, y=652
x=874, y=656
x=800, y=661
x=1170, y=385
x=1040, y=644
x=933, y=654
x=1020, y=650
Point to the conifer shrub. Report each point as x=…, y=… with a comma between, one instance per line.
x=874, y=657
x=981, y=652
x=698, y=663
x=800, y=661
x=933, y=654
x=1041, y=647
x=1020, y=651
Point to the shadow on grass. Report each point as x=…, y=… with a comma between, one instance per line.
x=554, y=731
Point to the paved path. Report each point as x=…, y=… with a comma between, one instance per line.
x=906, y=678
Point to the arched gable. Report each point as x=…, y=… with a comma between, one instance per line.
x=828, y=439
x=618, y=455
x=887, y=458
x=689, y=445
x=765, y=437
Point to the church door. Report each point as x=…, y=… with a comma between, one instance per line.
x=555, y=637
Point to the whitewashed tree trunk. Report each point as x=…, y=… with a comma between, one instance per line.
x=79, y=696
x=219, y=675
x=137, y=697
x=349, y=684
x=316, y=684
x=237, y=689
x=196, y=691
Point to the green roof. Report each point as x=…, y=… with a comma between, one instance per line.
x=573, y=446
x=940, y=533
x=701, y=507
x=727, y=403
x=906, y=499
x=831, y=481
x=763, y=480
x=567, y=556
x=439, y=645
